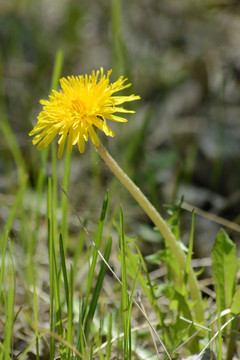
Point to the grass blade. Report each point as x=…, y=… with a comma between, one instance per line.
x=15, y=206
x=3, y=243
x=64, y=200
x=109, y=338
x=70, y=310
x=189, y=255
x=36, y=319
x=9, y=311
x=54, y=84
x=14, y=147
x=51, y=268
x=125, y=299
x=132, y=266
x=129, y=333
x=57, y=69
x=64, y=269
x=98, y=241
x=81, y=341
x=97, y=289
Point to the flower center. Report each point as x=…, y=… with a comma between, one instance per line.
x=81, y=111
x=78, y=106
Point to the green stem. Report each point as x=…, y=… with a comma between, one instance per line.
x=162, y=227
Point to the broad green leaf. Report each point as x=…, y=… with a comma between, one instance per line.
x=235, y=308
x=149, y=234
x=224, y=265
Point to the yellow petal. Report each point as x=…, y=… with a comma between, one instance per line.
x=70, y=141
x=61, y=143
x=81, y=143
x=116, y=118
x=102, y=126
x=93, y=136
x=48, y=138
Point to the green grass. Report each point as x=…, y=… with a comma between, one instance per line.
x=75, y=280
x=79, y=317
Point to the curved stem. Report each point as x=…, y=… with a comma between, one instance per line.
x=161, y=225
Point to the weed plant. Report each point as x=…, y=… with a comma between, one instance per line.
x=82, y=320
x=89, y=293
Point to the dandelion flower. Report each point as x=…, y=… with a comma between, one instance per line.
x=82, y=105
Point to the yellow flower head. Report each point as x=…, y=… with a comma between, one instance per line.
x=83, y=104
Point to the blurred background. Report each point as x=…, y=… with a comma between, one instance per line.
x=182, y=58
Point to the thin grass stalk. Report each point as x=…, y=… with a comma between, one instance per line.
x=190, y=251
x=30, y=250
x=98, y=341
x=80, y=343
x=57, y=69
x=95, y=174
x=3, y=105
x=36, y=318
x=14, y=147
x=124, y=288
x=70, y=309
x=51, y=268
x=54, y=84
x=147, y=286
x=219, y=336
x=148, y=289
x=29, y=347
x=97, y=289
x=7, y=130
x=39, y=190
x=181, y=338
x=9, y=311
x=64, y=270
x=98, y=241
x=64, y=199
x=25, y=228
x=3, y=243
x=109, y=338
x=68, y=285
x=15, y=206
x=56, y=284
x=3, y=352
x=233, y=341
x=129, y=334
